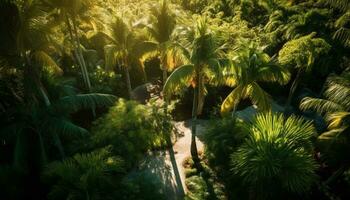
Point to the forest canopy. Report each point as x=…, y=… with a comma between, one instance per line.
x=174, y=99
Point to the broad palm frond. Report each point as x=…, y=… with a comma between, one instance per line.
x=179, y=79
x=320, y=105
x=338, y=90
x=233, y=99
x=337, y=119
x=45, y=61
x=249, y=66
x=74, y=103
x=335, y=106
x=272, y=72
x=259, y=97
x=144, y=50
x=62, y=127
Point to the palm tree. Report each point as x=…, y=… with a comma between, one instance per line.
x=49, y=123
x=335, y=106
x=38, y=111
x=343, y=32
x=301, y=54
x=205, y=55
x=276, y=158
x=85, y=176
x=28, y=43
x=127, y=47
x=69, y=11
x=161, y=28
x=249, y=67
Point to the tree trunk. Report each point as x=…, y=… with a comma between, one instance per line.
x=128, y=82
x=165, y=76
x=294, y=87
x=76, y=54
x=194, y=152
x=82, y=60
x=80, y=54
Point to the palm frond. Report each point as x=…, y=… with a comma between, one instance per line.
x=233, y=99
x=75, y=103
x=343, y=35
x=320, y=105
x=179, y=79
x=272, y=72
x=46, y=62
x=145, y=50
x=338, y=92
x=331, y=135
x=62, y=127
x=278, y=155
x=343, y=5
x=337, y=119
x=259, y=97
x=217, y=74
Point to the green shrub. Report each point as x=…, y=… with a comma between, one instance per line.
x=197, y=188
x=222, y=137
x=94, y=175
x=277, y=158
x=132, y=129
x=143, y=186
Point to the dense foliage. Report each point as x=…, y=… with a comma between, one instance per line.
x=72, y=70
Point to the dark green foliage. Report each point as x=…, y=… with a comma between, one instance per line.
x=142, y=186
x=335, y=107
x=58, y=56
x=276, y=159
x=131, y=129
x=85, y=176
x=203, y=184
x=222, y=138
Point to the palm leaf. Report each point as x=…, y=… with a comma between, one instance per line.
x=336, y=119
x=271, y=72
x=62, y=126
x=259, y=97
x=180, y=78
x=320, y=105
x=75, y=103
x=233, y=99
x=46, y=62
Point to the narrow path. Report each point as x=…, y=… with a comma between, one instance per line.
x=158, y=165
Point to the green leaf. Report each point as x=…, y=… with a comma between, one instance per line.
x=180, y=78
x=75, y=103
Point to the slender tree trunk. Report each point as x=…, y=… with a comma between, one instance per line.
x=128, y=81
x=194, y=152
x=165, y=76
x=144, y=72
x=82, y=60
x=294, y=87
x=80, y=53
x=75, y=46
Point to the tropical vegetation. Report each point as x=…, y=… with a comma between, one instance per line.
x=174, y=99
